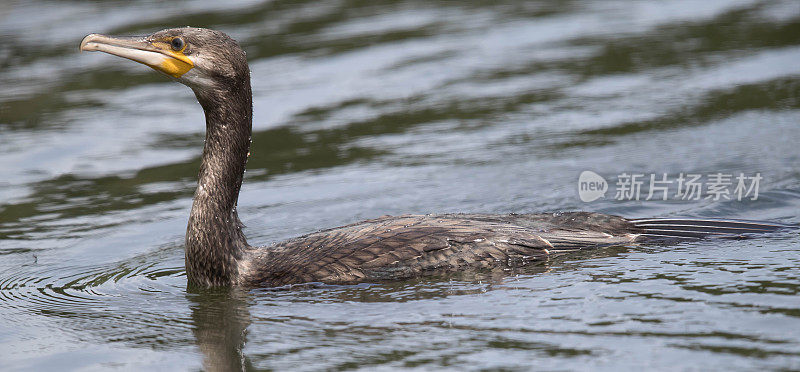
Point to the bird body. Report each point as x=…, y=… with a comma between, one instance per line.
x=386, y=248
x=402, y=247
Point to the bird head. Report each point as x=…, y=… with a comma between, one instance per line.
x=197, y=57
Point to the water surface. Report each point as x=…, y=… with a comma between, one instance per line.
x=366, y=108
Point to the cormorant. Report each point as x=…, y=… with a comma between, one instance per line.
x=385, y=248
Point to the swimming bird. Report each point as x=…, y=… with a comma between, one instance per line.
x=215, y=67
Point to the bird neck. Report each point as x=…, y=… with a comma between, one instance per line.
x=214, y=238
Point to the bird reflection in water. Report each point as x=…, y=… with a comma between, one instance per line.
x=220, y=319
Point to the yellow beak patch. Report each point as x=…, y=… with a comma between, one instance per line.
x=157, y=55
x=176, y=66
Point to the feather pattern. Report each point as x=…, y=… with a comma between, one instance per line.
x=401, y=247
x=414, y=245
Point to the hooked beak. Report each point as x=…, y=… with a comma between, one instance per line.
x=156, y=54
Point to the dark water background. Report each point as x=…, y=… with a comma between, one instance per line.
x=365, y=108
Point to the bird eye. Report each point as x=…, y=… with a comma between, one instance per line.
x=177, y=44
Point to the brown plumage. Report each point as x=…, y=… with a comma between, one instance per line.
x=386, y=248
x=391, y=248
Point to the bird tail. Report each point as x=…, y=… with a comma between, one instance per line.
x=670, y=229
